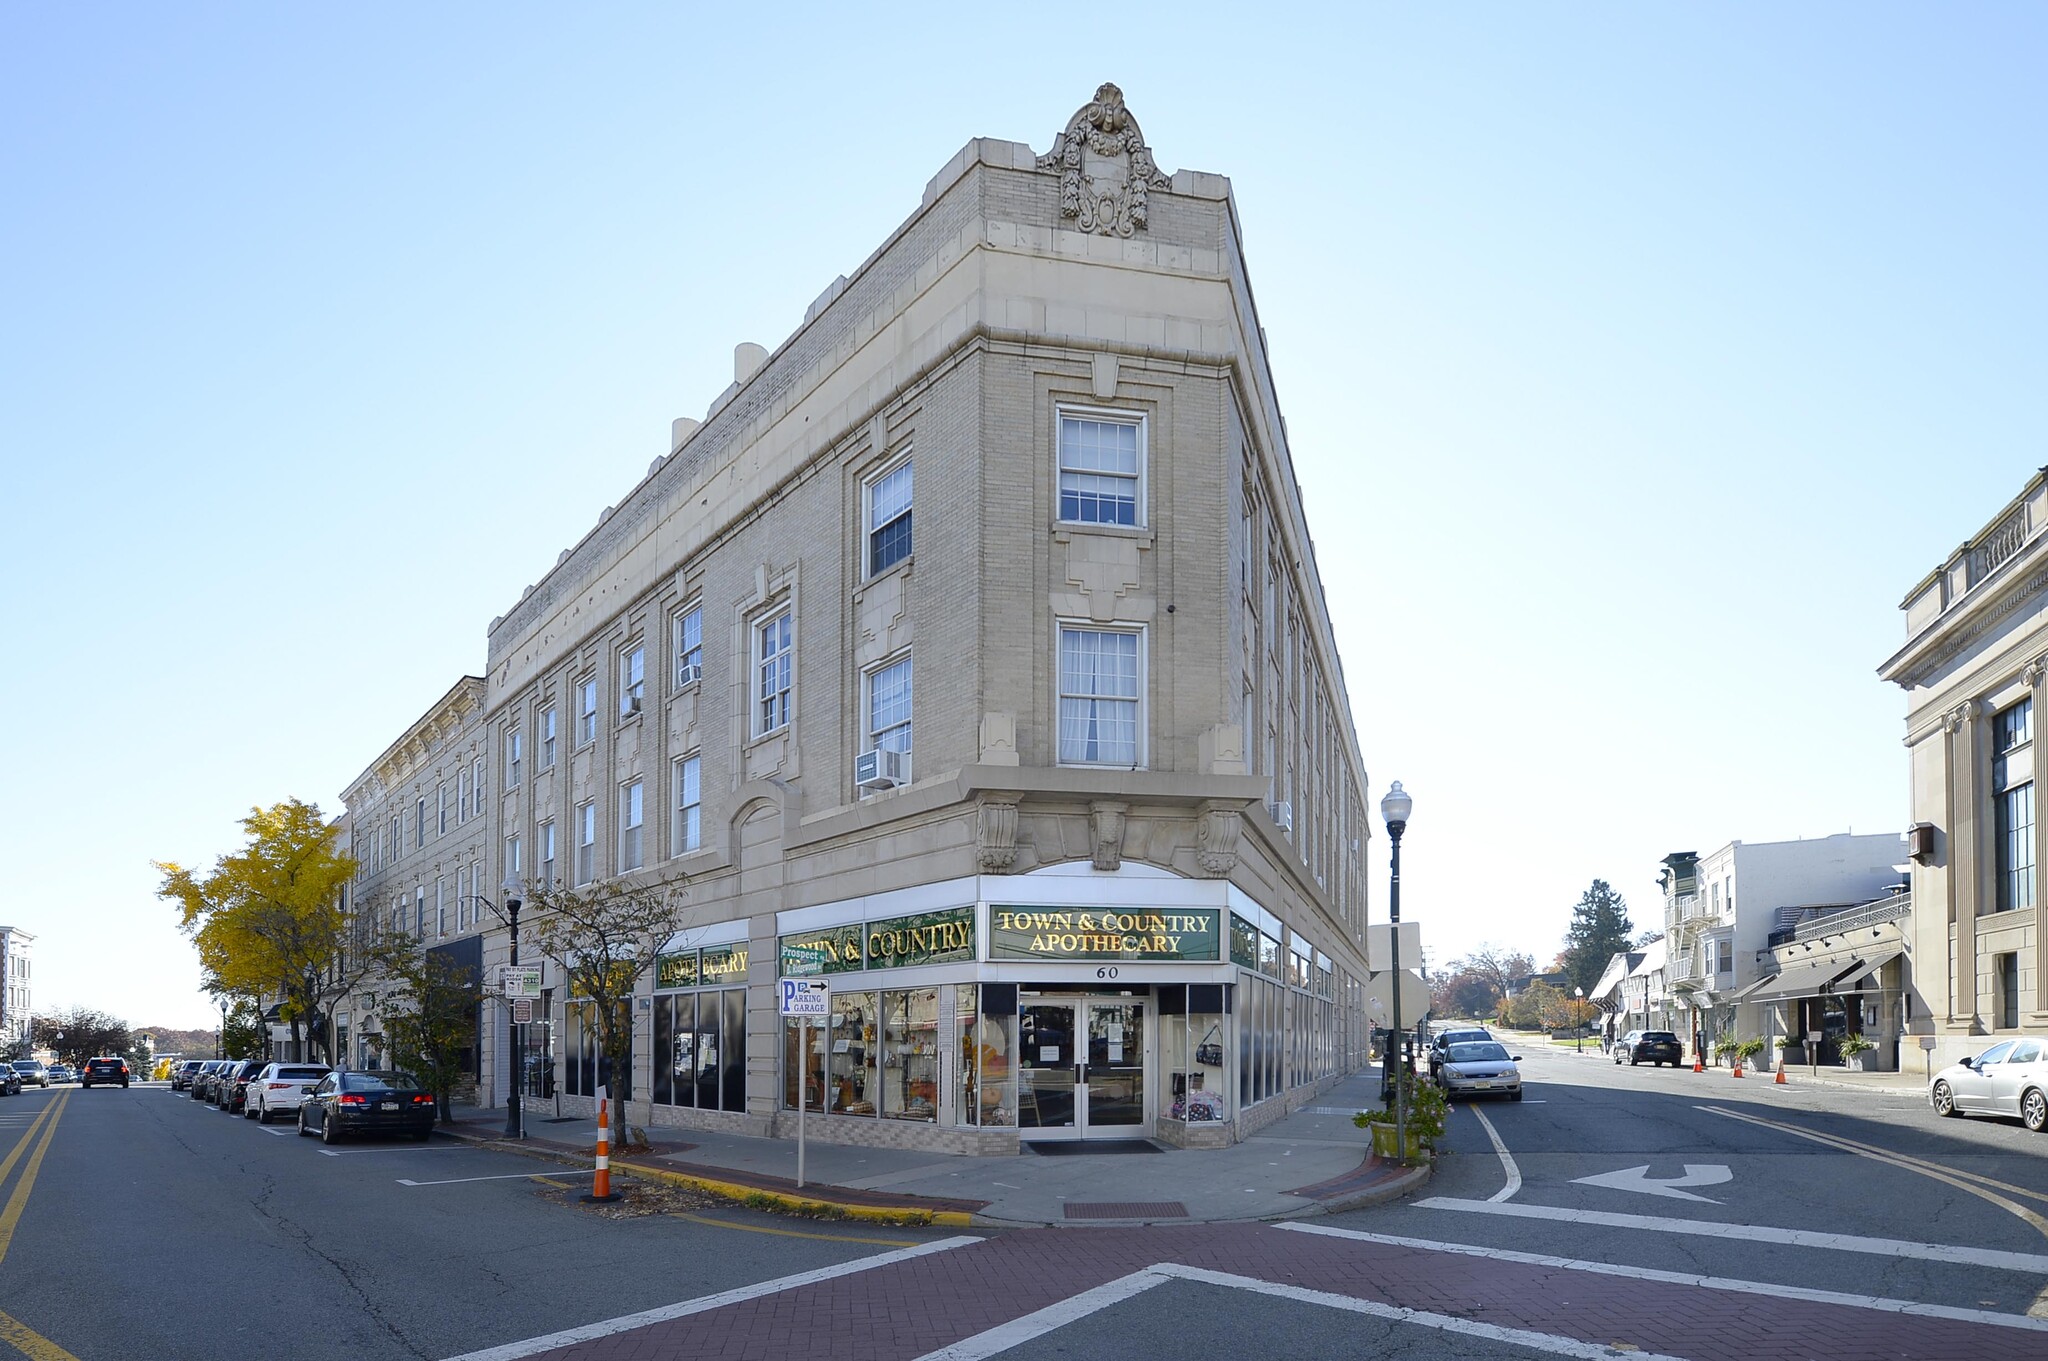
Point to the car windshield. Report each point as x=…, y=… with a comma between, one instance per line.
x=1478, y=1051
x=380, y=1082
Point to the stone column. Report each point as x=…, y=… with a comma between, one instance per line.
x=1968, y=842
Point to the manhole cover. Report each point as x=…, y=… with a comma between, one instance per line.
x=1127, y=1209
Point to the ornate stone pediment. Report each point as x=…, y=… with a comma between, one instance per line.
x=995, y=833
x=1105, y=168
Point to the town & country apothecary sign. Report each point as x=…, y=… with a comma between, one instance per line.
x=896, y=942
x=1163, y=935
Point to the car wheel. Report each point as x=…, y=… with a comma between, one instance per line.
x=1515, y=1095
x=263, y=1115
x=1633, y=1060
x=423, y=1135
x=1944, y=1099
x=303, y=1131
x=2034, y=1109
x=248, y=1111
x=328, y=1134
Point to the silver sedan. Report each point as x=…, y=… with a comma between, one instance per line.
x=2009, y=1078
x=1480, y=1068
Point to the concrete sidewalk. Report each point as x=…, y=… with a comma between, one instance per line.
x=1313, y=1161
x=1912, y=1080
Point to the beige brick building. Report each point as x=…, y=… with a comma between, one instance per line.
x=418, y=826
x=970, y=654
x=1975, y=672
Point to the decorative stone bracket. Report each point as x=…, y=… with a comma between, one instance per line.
x=1106, y=833
x=995, y=832
x=1105, y=168
x=1217, y=827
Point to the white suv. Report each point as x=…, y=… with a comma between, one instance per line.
x=278, y=1090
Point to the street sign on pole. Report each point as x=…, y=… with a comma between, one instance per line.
x=522, y=1010
x=519, y=980
x=806, y=997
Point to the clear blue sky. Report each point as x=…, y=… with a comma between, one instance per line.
x=1637, y=360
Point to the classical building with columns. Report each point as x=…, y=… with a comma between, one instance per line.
x=1973, y=669
x=970, y=655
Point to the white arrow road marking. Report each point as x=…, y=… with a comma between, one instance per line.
x=1639, y=1179
x=506, y=1176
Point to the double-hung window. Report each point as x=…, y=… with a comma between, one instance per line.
x=586, y=843
x=632, y=679
x=515, y=753
x=441, y=810
x=2012, y=773
x=419, y=824
x=512, y=858
x=544, y=843
x=774, y=651
x=686, y=645
x=888, y=717
x=687, y=833
x=1100, y=705
x=888, y=519
x=547, y=738
x=631, y=818
x=1102, y=468
x=586, y=710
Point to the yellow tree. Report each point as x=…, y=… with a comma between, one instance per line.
x=270, y=919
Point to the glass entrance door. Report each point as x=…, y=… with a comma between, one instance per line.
x=1082, y=1069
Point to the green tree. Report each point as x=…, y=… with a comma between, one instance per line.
x=430, y=1012
x=1600, y=929
x=269, y=920
x=245, y=1037
x=605, y=937
x=1534, y=1007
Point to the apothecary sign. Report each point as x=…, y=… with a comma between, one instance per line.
x=1105, y=933
x=725, y=964
x=893, y=942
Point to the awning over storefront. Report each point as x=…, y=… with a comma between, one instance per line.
x=1805, y=979
x=1871, y=963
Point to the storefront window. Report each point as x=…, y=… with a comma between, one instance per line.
x=1192, y=1050
x=988, y=1089
x=850, y=1076
x=910, y=1054
x=584, y=1065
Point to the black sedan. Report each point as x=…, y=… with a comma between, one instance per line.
x=10, y=1081
x=367, y=1102
x=1655, y=1046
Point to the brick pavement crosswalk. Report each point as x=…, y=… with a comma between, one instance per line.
x=907, y=1308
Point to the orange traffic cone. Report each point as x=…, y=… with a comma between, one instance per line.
x=1738, y=1068
x=1697, y=1066
x=601, y=1188
x=1779, y=1080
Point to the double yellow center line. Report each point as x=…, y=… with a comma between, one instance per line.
x=12, y=1331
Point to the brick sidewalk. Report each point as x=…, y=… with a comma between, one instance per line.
x=903, y=1310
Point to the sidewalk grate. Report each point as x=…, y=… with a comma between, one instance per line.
x=1127, y=1209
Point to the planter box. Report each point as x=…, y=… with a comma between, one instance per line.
x=1387, y=1146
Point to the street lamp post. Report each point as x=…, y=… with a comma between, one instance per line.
x=1395, y=808
x=1578, y=1021
x=516, y=1054
x=223, y=1029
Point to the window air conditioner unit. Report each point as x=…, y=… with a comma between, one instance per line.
x=1283, y=816
x=689, y=673
x=881, y=769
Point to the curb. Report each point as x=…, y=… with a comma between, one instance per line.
x=752, y=1196
x=1391, y=1189
x=799, y=1204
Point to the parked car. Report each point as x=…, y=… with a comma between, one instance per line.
x=1480, y=1068
x=1443, y=1039
x=1649, y=1046
x=2010, y=1078
x=280, y=1088
x=61, y=1072
x=209, y=1073
x=351, y=1102
x=183, y=1072
x=30, y=1070
x=231, y=1088
x=104, y=1072
x=10, y=1081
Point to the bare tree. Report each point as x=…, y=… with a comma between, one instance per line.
x=1498, y=967
x=605, y=937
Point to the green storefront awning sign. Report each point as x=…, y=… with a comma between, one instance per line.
x=1159, y=935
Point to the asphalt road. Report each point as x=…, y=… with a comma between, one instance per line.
x=1658, y=1212
x=156, y=1227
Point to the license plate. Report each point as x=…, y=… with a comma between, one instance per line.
x=1482, y=1082
x=387, y=1105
